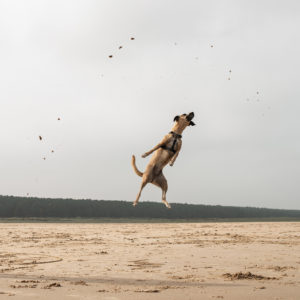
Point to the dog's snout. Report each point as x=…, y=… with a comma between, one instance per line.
x=190, y=116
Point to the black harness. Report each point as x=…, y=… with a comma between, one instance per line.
x=176, y=137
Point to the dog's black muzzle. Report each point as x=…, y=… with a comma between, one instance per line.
x=190, y=116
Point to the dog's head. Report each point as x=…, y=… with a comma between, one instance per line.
x=185, y=120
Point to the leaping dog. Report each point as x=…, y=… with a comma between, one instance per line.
x=164, y=152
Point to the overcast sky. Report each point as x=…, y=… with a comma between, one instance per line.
x=234, y=63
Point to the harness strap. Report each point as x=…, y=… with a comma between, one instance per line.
x=176, y=137
x=170, y=149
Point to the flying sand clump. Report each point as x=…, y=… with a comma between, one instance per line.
x=41, y=138
x=120, y=47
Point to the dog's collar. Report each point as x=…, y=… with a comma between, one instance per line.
x=176, y=135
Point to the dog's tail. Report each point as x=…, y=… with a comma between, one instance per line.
x=139, y=173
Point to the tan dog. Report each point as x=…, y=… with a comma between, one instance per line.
x=165, y=152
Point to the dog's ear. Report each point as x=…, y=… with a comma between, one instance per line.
x=176, y=118
x=192, y=123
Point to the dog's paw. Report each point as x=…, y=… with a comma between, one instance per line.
x=166, y=204
x=134, y=203
x=144, y=155
x=171, y=164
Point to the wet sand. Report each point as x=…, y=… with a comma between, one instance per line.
x=150, y=261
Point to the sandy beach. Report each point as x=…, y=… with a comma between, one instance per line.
x=150, y=261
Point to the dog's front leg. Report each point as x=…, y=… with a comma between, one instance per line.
x=152, y=150
x=172, y=160
x=164, y=140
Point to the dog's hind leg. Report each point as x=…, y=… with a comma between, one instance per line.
x=161, y=182
x=144, y=182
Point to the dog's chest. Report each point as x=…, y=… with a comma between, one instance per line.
x=172, y=144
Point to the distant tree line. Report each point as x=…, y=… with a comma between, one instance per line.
x=20, y=207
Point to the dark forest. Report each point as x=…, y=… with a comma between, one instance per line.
x=25, y=207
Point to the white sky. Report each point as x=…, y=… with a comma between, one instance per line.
x=54, y=63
